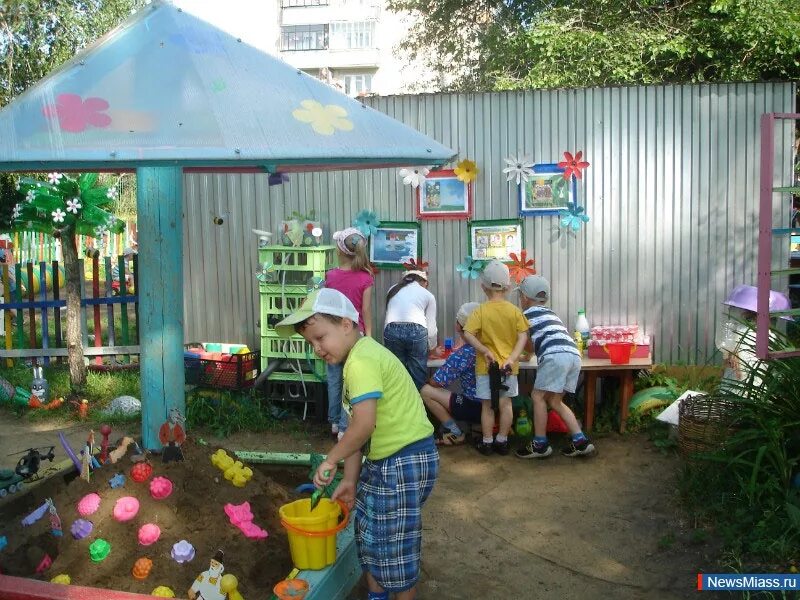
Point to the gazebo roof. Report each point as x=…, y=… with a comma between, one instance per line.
x=167, y=88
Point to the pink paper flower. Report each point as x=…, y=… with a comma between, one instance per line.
x=75, y=115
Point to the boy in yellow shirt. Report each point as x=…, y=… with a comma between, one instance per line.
x=388, y=424
x=498, y=331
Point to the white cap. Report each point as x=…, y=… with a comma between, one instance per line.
x=465, y=311
x=495, y=275
x=421, y=274
x=535, y=287
x=324, y=300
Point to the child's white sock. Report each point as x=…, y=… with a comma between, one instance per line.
x=501, y=439
x=488, y=440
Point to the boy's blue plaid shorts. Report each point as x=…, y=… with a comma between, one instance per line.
x=388, y=515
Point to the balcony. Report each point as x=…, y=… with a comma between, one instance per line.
x=329, y=10
x=333, y=59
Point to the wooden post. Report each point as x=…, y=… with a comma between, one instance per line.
x=98, y=330
x=159, y=199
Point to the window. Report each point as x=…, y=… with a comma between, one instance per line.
x=304, y=37
x=357, y=84
x=291, y=3
x=346, y=36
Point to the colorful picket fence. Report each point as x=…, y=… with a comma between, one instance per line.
x=35, y=291
x=31, y=246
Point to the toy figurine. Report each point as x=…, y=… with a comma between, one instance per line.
x=39, y=386
x=172, y=435
x=105, y=431
x=55, y=520
x=207, y=586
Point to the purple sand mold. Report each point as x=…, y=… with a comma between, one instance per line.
x=182, y=551
x=81, y=528
x=35, y=515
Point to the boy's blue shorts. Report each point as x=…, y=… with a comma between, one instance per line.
x=388, y=514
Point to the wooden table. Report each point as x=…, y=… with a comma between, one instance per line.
x=594, y=368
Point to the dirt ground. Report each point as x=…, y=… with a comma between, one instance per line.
x=500, y=527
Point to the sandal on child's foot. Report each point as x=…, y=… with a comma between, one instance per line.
x=448, y=438
x=484, y=448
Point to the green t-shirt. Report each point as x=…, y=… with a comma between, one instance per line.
x=373, y=372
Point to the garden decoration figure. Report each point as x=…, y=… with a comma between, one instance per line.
x=172, y=435
x=39, y=386
x=207, y=586
x=519, y=168
x=573, y=165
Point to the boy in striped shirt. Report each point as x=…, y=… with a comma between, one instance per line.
x=559, y=365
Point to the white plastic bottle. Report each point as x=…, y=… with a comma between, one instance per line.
x=582, y=326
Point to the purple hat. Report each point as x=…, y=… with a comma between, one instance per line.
x=746, y=298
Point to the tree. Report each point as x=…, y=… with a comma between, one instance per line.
x=514, y=44
x=63, y=207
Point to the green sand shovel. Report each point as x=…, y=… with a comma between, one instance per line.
x=317, y=495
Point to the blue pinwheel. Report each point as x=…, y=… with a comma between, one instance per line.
x=367, y=222
x=314, y=283
x=573, y=217
x=266, y=272
x=470, y=269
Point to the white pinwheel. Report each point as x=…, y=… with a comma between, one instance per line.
x=414, y=176
x=74, y=205
x=58, y=215
x=519, y=168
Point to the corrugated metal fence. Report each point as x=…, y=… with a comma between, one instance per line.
x=672, y=193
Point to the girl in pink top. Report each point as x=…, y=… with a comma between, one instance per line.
x=354, y=279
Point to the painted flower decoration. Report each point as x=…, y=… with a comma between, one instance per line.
x=58, y=215
x=415, y=265
x=521, y=266
x=414, y=176
x=111, y=193
x=470, y=269
x=325, y=120
x=75, y=114
x=16, y=212
x=74, y=205
x=54, y=178
x=573, y=217
x=466, y=171
x=367, y=222
x=573, y=165
x=264, y=273
x=100, y=232
x=519, y=168
x=30, y=195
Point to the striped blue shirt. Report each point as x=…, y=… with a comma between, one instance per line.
x=548, y=333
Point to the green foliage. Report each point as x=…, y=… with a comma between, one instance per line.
x=745, y=487
x=225, y=413
x=492, y=44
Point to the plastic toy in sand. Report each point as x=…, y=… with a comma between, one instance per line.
x=126, y=509
x=230, y=587
x=140, y=472
x=88, y=505
x=3, y=541
x=81, y=528
x=234, y=471
x=117, y=480
x=291, y=589
x=61, y=578
x=160, y=488
x=55, y=520
x=37, y=514
x=163, y=591
x=141, y=568
x=39, y=560
x=105, y=431
x=182, y=552
x=122, y=448
x=207, y=584
x=149, y=534
x=99, y=550
x=242, y=517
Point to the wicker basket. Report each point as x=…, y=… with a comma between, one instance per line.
x=704, y=424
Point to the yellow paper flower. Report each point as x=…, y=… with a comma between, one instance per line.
x=466, y=170
x=324, y=119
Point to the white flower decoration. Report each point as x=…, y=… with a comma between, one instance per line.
x=100, y=232
x=58, y=215
x=519, y=168
x=17, y=211
x=74, y=205
x=111, y=193
x=54, y=178
x=30, y=195
x=414, y=176
x=17, y=186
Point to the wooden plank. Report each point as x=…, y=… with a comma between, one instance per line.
x=20, y=333
x=337, y=581
x=56, y=297
x=84, y=328
x=18, y=588
x=98, y=331
x=6, y=313
x=88, y=351
x=136, y=293
x=124, y=308
x=275, y=458
x=159, y=198
x=37, y=304
x=109, y=292
x=43, y=294
x=31, y=312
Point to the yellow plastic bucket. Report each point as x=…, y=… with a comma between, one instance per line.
x=312, y=535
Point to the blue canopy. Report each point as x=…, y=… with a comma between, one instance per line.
x=167, y=88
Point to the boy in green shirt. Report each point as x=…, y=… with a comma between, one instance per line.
x=388, y=424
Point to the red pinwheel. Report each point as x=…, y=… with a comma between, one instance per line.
x=573, y=166
x=521, y=266
x=414, y=265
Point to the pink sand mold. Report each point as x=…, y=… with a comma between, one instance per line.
x=88, y=505
x=182, y=551
x=126, y=508
x=160, y=488
x=81, y=528
x=149, y=534
x=242, y=517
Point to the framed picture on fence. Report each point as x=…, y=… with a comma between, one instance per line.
x=546, y=192
x=443, y=196
x=495, y=239
x=394, y=243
